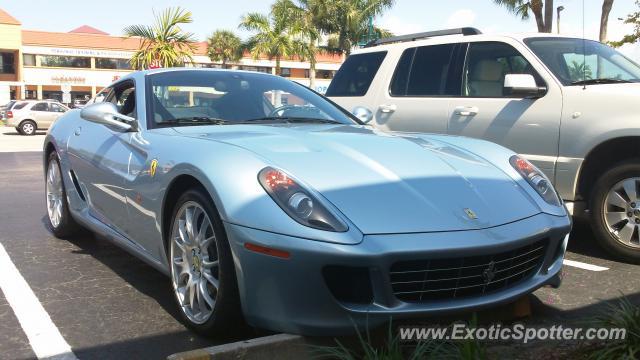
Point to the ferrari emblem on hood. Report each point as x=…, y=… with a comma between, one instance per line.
x=470, y=214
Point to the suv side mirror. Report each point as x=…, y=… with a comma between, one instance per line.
x=523, y=85
x=363, y=114
x=106, y=113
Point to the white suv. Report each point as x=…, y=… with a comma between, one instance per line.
x=568, y=105
x=30, y=115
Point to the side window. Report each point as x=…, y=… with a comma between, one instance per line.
x=56, y=108
x=124, y=98
x=43, y=106
x=427, y=71
x=101, y=96
x=486, y=66
x=356, y=75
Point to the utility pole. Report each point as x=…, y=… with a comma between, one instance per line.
x=559, y=10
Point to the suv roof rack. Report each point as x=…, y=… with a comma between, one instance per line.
x=424, y=35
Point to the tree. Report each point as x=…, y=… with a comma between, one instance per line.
x=347, y=21
x=272, y=36
x=163, y=44
x=604, y=19
x=224, y=46
x=542, y=11
x=633, y=18
x=580, y=71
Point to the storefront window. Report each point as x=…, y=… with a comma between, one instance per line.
x=29, y=60
x=119, y=64
x=7, y=64
x=65, y=61
x=285, y=72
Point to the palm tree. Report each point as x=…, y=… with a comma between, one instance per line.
x=272, y=37
x=163, y=44
x=224, y=46
x=348, y=21
x=580, y=71
x=303, y=25
x=542, y=11
x=607, y=5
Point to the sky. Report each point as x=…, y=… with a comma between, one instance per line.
x=407, y=16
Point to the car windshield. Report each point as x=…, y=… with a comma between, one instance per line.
x=582, y=62
x=9, y=104
x=201, y=97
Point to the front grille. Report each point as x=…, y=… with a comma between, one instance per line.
x=442, y=279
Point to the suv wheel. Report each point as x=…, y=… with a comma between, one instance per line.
x=615, y=209
x=28, y=127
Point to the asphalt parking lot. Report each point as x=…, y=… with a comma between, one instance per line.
x=107, y=304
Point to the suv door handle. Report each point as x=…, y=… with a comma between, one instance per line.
x=388, y=108
x=466, y=110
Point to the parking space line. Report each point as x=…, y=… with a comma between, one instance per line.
x=44, y=337
x=584, y=266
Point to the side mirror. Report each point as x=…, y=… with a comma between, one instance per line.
x=106, y=113
x=363, y=114
x=523, y=85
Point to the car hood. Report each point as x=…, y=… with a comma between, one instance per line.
x=386, y=182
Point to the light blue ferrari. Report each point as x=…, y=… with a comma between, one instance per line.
x=267, y=204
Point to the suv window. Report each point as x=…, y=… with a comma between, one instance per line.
x=57, y=108
x=43, y=106
x=19, y=106
x=486, y=66
x=427, y=71
x=356, y=74
x=576, y=60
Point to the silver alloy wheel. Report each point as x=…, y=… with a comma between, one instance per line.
x=54, y=193
x=622, y=212
x=28, y=128
x=194, y=262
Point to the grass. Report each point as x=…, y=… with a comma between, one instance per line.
x=393, y=348
x=621, y=314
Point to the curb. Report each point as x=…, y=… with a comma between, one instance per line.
x=280, y=346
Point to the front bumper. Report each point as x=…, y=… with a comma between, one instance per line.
x=292, y=295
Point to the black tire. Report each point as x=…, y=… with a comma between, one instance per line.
x=28, y=127
x=603, y=185
x=226, y=320
x=68, y=227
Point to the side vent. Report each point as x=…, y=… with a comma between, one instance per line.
x=77, y=185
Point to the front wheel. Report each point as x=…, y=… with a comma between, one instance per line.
x=202, y=270
x=615, y=209
x=59, y=218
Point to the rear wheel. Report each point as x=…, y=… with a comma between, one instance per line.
x=60, y=222
x=28, y=127
x=615, y=209
x=202, y=270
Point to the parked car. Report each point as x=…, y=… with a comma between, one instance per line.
x=27, y=116
x=79, y=103
x=262, y=200
x=534, y=94
x=4, y=108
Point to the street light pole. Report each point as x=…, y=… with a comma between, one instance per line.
x=559, y=10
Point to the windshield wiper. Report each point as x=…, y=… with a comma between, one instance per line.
x=193, y=121
x=600, y=81
x=289, y=119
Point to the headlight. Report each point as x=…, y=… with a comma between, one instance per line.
x=300, y=204
x=536, y=179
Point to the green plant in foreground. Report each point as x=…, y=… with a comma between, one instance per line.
x=393, y=348
x=622, y=314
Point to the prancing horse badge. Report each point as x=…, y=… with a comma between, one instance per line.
x=470, y=214
x=153, y=167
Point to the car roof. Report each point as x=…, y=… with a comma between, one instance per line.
x=459, y=38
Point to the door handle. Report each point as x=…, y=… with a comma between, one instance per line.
x=78, y=131
x=388, y=108
x=466, y=110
